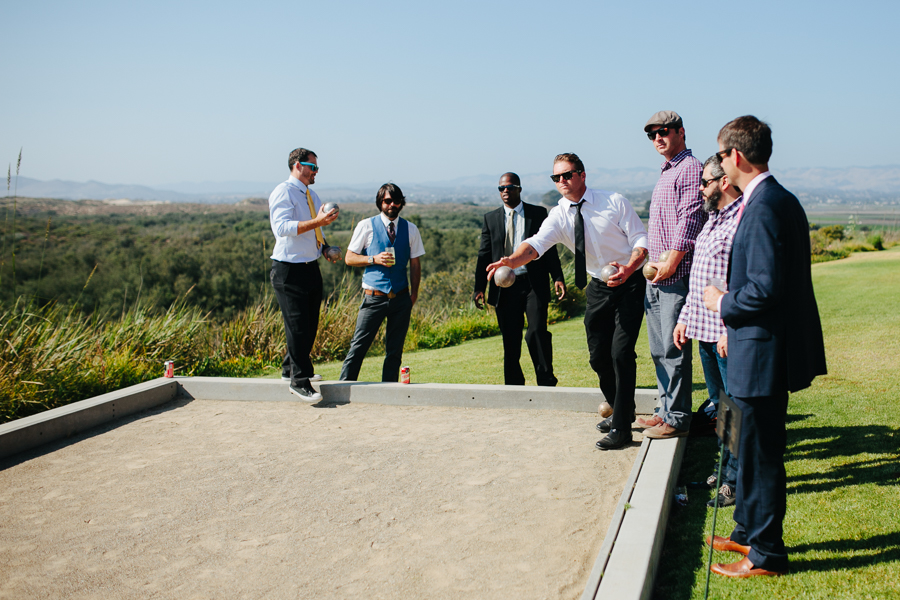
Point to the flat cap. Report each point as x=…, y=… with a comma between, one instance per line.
x=664, y=118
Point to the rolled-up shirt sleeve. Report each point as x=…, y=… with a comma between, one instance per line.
x=631, y=224
x=282, y=210
x=552, y=232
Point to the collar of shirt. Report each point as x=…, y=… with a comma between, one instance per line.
x=668, y=164
x=519, y=209
x=728, y=210
x=294, y=182
x=385, y=220
x=588, y=198
x=753, y=183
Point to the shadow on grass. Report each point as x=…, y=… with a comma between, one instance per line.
x=857, y=553
x=829, y=443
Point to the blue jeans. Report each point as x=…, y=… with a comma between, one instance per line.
x=663, y=304
x=715, y=370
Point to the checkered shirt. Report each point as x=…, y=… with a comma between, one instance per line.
x=711, y=252
x=676, y=211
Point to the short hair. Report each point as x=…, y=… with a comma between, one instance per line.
x=715, y=166
x=750, y=136
x=394, y=191
x=299, y=155
x=513, y=177
x=570, y=157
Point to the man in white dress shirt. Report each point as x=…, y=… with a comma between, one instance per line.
x=601, y=228
x=384, y=245
x=296, y=218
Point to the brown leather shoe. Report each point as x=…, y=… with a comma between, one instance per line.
x=651, y=422
x=664, y=431
x=724, y=544
x=742, y=568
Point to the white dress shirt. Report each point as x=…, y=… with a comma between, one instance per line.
x=288, y=206
x=612, y=230
x=519, y=226
x=363, y=234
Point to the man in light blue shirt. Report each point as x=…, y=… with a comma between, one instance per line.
x=296, y=217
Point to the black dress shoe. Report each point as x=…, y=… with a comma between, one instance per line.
x=605, y=425
x=617, y=438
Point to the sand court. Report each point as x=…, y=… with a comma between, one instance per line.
x=214, y=499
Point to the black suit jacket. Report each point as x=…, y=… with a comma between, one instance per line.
x=774, y=332
x=493, y=237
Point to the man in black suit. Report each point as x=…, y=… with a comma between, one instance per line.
x=775, y=342
x=529, y=296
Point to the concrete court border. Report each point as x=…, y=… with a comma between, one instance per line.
x=625, y=567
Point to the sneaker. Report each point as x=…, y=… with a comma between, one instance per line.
x=307, y=394
x=725, y=496
x=287, y=377
x=650, y=422
x=664, y=431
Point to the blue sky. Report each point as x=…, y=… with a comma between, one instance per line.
x=164, y=92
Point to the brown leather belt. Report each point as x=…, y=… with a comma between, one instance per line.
x=389, y=294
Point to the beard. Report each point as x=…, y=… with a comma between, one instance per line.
x=711, y=203
x=391, y=211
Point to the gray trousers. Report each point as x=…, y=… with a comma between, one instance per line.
x=372, y=313
x=663, y=304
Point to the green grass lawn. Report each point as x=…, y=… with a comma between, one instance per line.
x=843, y=459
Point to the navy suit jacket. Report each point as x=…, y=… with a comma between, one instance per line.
x=774, y=332
x=493, y=238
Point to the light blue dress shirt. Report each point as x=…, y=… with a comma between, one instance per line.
x=287, y=207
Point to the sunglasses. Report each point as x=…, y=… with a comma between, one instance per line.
x=568, y=175
x=706, y=182
x=503, y=188
x=663, y=131
x=722, y=154
x=397, y=202
x=312, y=166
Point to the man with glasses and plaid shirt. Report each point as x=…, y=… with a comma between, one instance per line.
x=676, y=218
x=600, y=228
x=296, y=217
x=721, y=200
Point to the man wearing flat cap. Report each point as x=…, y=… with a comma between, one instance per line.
x=676, y=218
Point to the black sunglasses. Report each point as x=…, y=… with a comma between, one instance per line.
x=663, y=131
x=723, y=153
x=568, y=175
x=503, y=188
x=706, y=182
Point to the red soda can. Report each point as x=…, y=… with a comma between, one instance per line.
x=404, y=374
x=170, y=369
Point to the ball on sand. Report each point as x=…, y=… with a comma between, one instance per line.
x=504, y=277
x=605, y=409
x=330, y=206
x=607, y=272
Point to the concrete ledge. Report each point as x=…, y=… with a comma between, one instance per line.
x=59, y=423
x=630, y=569
x=414, y=394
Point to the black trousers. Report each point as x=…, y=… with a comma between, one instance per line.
x=298, y=289
x=515, y=304
x=612, y=322
x=372, y=313
x=761, y=498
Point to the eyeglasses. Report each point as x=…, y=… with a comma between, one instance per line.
x=312, y=166
x=503, y=188
x=568, y=175
x=663, y=131
x=705, y=182
x=723, y=153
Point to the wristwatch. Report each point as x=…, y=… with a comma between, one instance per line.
x=371, y=260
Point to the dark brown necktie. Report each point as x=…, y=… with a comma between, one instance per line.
x=391, y=233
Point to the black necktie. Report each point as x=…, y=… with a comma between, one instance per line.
x=580, y=268
x=391, y=233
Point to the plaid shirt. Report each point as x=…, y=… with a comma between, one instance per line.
x=711, y=254
x=676, y=211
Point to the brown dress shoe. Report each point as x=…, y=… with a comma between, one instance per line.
x=651, y=422
x=726, y=545
x=664, y=431
x=742, y=568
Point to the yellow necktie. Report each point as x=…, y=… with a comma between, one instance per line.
x=320, y=241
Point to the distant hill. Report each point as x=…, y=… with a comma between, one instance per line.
x=879, y=185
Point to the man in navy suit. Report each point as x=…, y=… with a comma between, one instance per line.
x=503, y=230
x=774, y=342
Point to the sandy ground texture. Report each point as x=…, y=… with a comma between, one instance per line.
x=207, y=499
